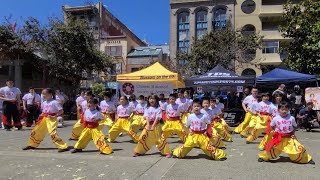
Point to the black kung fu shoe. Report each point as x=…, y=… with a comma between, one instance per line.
x=76, y=150
x=311, y=162
x=63, y=150
x=28, y=147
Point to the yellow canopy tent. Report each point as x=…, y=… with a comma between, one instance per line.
x=153, y=73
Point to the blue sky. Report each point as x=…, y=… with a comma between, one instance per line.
x=148, y=19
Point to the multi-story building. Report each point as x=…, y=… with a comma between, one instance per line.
x=112, y=36
x=190, y=19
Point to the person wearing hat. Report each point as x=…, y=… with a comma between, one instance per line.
x=11, y=105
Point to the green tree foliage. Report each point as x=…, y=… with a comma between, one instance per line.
x=98, y=88
x=303, y=26
x=68, y=47
x=220, y=47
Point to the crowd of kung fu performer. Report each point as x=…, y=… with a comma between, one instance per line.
x=152, y=120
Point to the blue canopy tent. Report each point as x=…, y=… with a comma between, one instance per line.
x=284, y=76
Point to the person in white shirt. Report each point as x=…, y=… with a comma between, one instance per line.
x=253, y=109
x=197, y=124
x=265, y=112
x=108, y=109
x=11, y=106
x=47, y=123
x=138, y=121
x=61, y=99
x=284, y=139
x=163, y=104
x=246, y=104
x=31, y=106
x=133, y=101
x=79, y=100
x=92, y=131
x=219, y=104
x=151, y=133
x=124, y=110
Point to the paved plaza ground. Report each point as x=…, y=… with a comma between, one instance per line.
x=47, y=163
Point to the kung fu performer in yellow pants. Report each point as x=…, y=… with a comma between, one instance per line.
x=92, y=131
x=284, y=140
x=78, y=127
x=197, y=123
x=253, y=121
x=108, y=109
x=137, y=119
x=217, y=125
x=47, y=123
x=247, y=102
x=173, y=123
x=213, y=135
x=151, y=133
x=264, y=110
x=123, y=123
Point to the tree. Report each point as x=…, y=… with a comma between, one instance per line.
x=98, y=89
x=68, y=48
x=223, y=47
x=303, y=27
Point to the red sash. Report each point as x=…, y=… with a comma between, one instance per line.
x=209, y=131
x=43, y=115
x=173, y=118
x=276, y=139
x=90, y=124
x=82, y=118
x=198, y=132
x=164, y=116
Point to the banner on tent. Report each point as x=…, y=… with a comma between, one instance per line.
x=219, y=82
x=313, y=95
x=138, y=88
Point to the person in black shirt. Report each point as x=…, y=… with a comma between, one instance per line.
x=308, y=116
x=297, y=100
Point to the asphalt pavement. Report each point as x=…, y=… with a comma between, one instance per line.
x=46, y=163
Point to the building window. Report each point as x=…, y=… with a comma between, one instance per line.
x=113, y=50
x=220, y=18
x=201, y=24
x=270, y=47
x=248, y=6
x=248, y=29
x=183, y=32
x=248, y=72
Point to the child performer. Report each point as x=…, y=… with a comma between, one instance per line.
x=124, y=111
x=253, y=109
x=181, y=100
x=79, y=100
x=47, y=122
x=264, y=112
x=197, y=122
x=214, y=136
x=163, y=104
x=91, y=130
x=277, y=98
x=284, y=139
x=173, y=123
x=78, y=127
x=137, y=119
x=217, y=124
x=152, y=131
x=247, y=102
x=108, y=109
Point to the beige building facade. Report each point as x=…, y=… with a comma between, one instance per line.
x=190, y=19
x=112, y=36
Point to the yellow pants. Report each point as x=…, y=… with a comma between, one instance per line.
x=149, y=138
x=260, y=126
x=47, y=125
x=137, y=123
x=98, y=139
x=216, y=140
x=291, y=146
x=244, y=124
x=222, y=131
x=226, y=125
x=106, y=122
x=265, y=140
x=171, y=128
x=76, y=130
x=202, y=141
x=184, y=118
x=249, y=128
x=122, y=124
